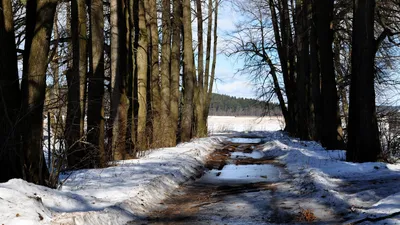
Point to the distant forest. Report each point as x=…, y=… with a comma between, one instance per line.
x=224, y=105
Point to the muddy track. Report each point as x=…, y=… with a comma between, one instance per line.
x=202, y=202
x=239, y=185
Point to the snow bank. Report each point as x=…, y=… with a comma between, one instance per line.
x=113, y=195
x=353, y=190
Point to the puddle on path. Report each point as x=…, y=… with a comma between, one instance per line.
x=236, y=188
x=238, y=174
x=245, y=140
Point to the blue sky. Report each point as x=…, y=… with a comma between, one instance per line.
x=228, y=82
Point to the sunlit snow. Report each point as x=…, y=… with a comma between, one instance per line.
x=131, y=188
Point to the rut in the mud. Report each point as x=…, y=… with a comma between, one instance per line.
x=238, y=185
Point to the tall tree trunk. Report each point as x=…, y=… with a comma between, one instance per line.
x=141, y=65
x=214, y=61
x=95, y=114
x=200, y=92
x=331, y=135
x=208, y=44
x=151, y=12
x=166, y=126
x=303, y=78
x=315, y=107
x=39, y=24
x=131, y=85
x=283, y=59
x=119, y=99
x=363, y=134
x=10, y=98
x=189, y=73
x=77, y=87
x=287, y=58
x=175, y=67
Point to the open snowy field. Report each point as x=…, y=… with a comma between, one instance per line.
x=227, y=124
x=130, y=189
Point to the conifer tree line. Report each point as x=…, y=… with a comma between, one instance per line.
x=322, y=60
x=224, y=105
x=112, y=78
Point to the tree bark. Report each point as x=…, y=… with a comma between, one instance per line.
x=39, y=24
x=141, y=64
x=315, y=106
x=77, y=87
x=286, y=56
x=175, y=67
x=363, y=134
x=166, y=125
x=214, y=61
x=303, y=78
x=188, y=61
x=283, y=59
x=132, y=79
x=331, y=135
x=151, y=12
x=10, y=101
x=95, y=114
x=200, y=92
x=119, y=100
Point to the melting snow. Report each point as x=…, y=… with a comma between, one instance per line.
x=238, y=174
x=254, y=155
x=121, y=193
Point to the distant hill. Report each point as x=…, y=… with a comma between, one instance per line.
x=224, y=105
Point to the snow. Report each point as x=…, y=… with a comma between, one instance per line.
x=246, y=140
x=355, y=190
x=131, y=188
x=238, y=174
x=254, y=154
x=113, y=195
x=227, y=124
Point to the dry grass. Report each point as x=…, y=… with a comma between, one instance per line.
x=306, y=215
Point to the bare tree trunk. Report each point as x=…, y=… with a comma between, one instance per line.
x=303, y=79
x=214, y=62
x=95, y=114
x=363, y=135
x=119, y=99
x=166, y=125
x=189, y=73
x=175, y=67
x=285, y=47
x=132, y=80
x=10, y=101
x=39, y=24
x=208, y=44
x=151, y=12
x=200, y=95
x=315, y=106
x=141, y=64
x=331, y=135
x=77, y=87
x=283, y=59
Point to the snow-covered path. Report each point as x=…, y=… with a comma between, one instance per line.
x=313, y=186
x=315, y=181
x=242, y=186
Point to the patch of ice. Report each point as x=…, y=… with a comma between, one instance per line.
x=245, y=140
x=254, y=155
x=243, y=174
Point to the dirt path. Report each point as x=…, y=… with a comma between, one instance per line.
x=240, y=186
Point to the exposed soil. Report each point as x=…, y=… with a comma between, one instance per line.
x=200, y=202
